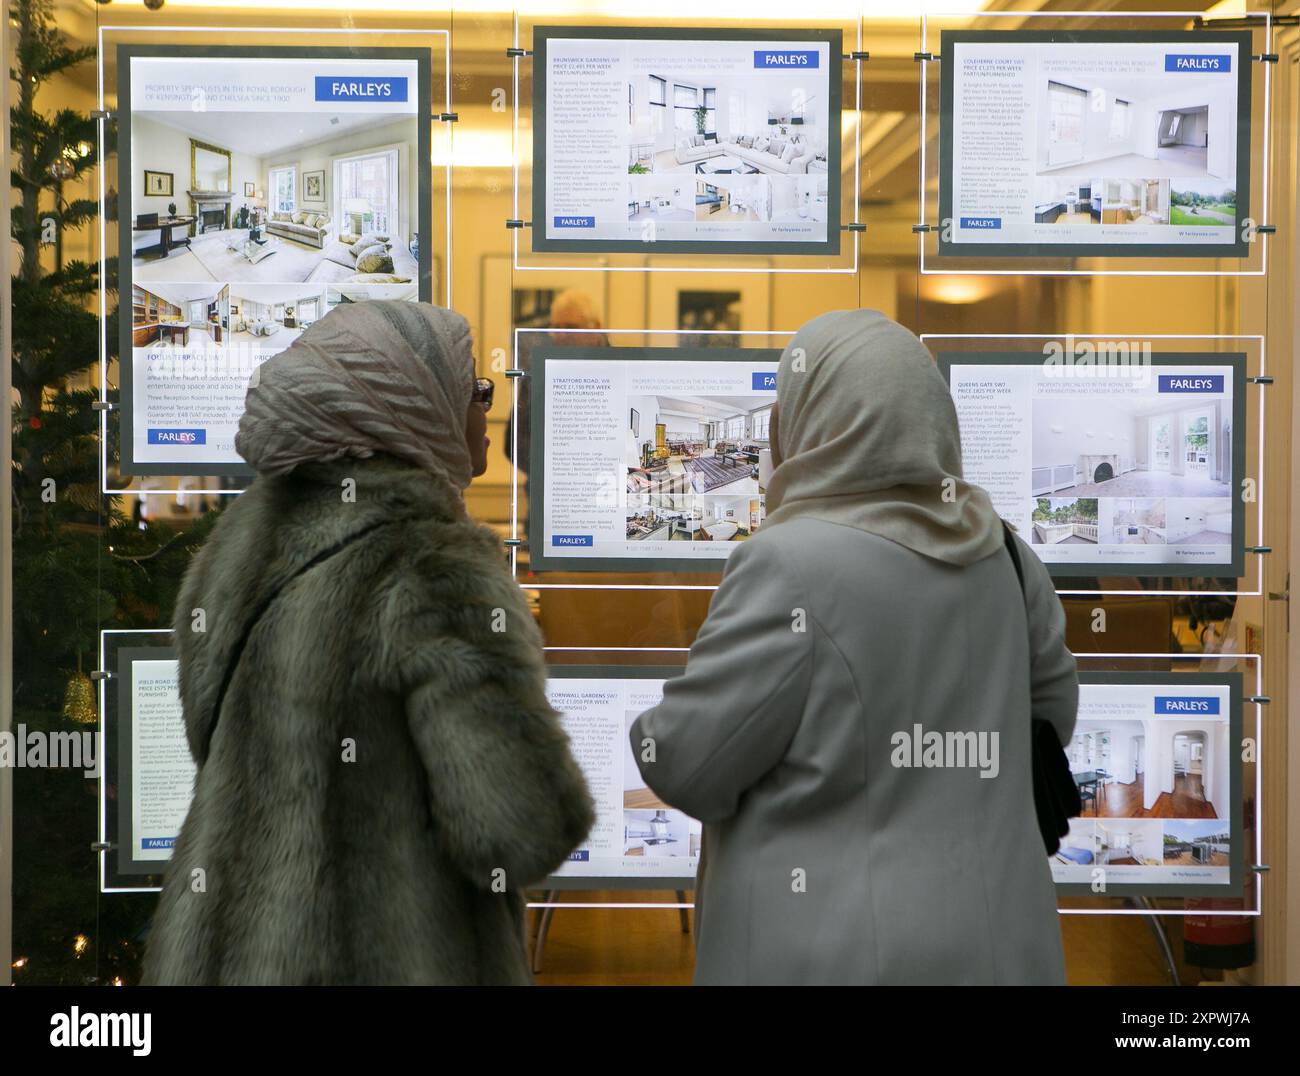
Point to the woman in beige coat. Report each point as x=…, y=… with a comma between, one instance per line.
x=876, y=606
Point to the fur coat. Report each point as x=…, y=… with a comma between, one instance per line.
x=386, y=776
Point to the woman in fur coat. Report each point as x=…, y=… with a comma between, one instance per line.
x=379, y=773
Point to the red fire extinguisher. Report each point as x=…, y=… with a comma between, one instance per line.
x=1218, y=941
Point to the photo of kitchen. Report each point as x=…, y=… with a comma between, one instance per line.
x=663, y=517
x=178, y=315
x=1133, y=520
x=650, y=826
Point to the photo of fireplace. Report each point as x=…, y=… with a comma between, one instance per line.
x=1133, y=446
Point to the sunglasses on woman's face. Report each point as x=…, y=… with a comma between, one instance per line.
x=483, y=389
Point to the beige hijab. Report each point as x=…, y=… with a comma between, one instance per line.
x=868, y=439
x=369, y=377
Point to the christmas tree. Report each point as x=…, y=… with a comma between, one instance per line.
x=80, y=565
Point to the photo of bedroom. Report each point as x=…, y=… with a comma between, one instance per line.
x=317, y=198
x=1130, y=843
x=650, y=826
x=1148, y=126
x=1064, y=521
x=729, y=519
x=273, y=315
x=695, y=444
x=1132, y=446
x=1101, y=201
x=1151, y=768
x=1133, y=520
x=734, y=199
x=764, y=121
x=1079, y=846
x=181, y=315
x=1191, y=843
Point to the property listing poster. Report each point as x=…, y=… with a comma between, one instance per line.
x=266, y=188
x=1154, y=764
x=647, y=457
x=699, y=140
x=1135, y=469
x=162, y=771
x=1098, y=143
x=636, y=834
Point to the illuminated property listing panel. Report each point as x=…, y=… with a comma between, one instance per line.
x=265, y=186
x=647, y=458
x=1133, y=468
x=695, y=140
x=1154, y=759
x=636, y=835
x=1095, y=142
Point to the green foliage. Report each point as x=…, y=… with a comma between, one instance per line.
x=80, y=565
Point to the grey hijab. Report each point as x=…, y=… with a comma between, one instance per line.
x=369, y=377
x=868, y=438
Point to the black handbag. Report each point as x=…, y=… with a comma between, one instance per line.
x=1056, y=796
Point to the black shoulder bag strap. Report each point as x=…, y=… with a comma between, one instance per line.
x=1056, y=796
x=238, y=652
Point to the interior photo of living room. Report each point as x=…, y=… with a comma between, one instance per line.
x=1064, y=521
x=695, y=444
x=180, y=315
x=274, y=315
x=1151, y=767
x=1122, y=126
x=768, y=122
x=1132, y=446
x=313, y=198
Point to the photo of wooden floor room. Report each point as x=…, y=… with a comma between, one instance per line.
x=1151, y=768
x=178, y=315
x=696, y=444
x=1064, y=521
